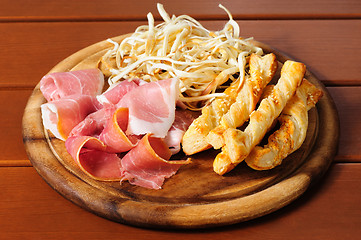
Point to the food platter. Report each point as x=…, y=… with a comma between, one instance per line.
x=195, y=197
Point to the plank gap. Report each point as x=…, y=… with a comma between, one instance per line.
x=8, y=19
x=327, y=83
x=347, y=159
x=16, y=87
x=342, y=83
x=15, y=163
x=338, y=159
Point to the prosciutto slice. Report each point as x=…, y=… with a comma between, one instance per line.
x=61, y=84
x=151, y=107
x=113, y=134
x=133, y=118
x=175, y=134
x=147, y=165
x=94, y=123
x=117, y=91
x=90, y=155
x=62, y=115
x=108, y=125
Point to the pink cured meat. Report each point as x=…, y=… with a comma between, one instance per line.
x=175, y=134
x=62, y=115
x=116, y=92
x=151, y=107
x=90, y=155
x=108, y=125
x=147, y=165
x=113, y=135
x=97, y=131
x=94, y=123
x=61, y=84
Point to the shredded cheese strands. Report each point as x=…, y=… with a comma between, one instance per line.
x=181, y=47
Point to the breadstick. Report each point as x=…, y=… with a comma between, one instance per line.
x=238, y=144
x=194, y=139
x=292, y=133
x=262, y=70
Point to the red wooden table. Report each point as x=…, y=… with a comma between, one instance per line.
x=36, y=35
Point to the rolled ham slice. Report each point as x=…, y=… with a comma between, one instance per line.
x=147, y=165
x=94, y=123
x=90, y=155
x=133, y=118
x=61, y=84
x=117, y=91
x=108, y=125
x=62, y=115
x=113, y=135
x=175, y=134
x=151, y=107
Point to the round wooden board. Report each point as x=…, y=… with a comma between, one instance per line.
x=195, y=197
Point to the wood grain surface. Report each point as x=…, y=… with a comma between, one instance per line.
x=196, y=196
x=38, y=34
x=30, y=209
x=62, y=10
x=45, y=44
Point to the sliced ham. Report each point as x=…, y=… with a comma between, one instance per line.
x=94, y=123
x=151, y=107
x=62, y=115
x=108, y=125
x=89, y=153
x=113, y=135
x=147, y=165
x=116, y=92
x=134, y=118
x=175, y=134
x=61, y=84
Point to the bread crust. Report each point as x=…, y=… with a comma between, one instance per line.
x=292, y=133
x=262, y=70
x=195, y=139
x=238, y=144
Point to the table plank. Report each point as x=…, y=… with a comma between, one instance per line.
x=329, y=210
x=327, y=47
x=32, y=49
x=322, y=34
x=62, y=10
x=12, y=151
x=347, y=100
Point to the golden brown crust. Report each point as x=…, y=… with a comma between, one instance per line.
x=194, y=139
x=238, y=144
x=224, y=109
x=262, y=70
x=222, y=163
x=292, y=133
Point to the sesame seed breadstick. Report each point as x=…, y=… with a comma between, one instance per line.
x=194, y=139
x=292, y=133
x=262, y=70
x=238, y=144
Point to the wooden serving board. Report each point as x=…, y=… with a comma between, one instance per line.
x=196, y=196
